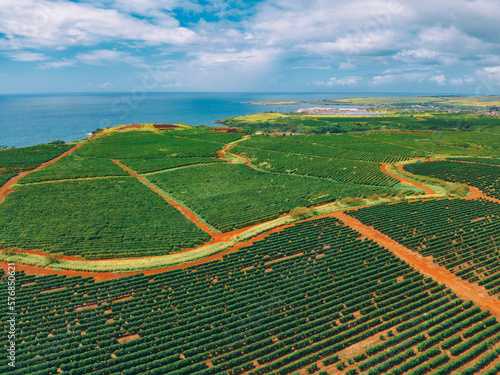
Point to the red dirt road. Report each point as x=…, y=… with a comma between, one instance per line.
x=217, y=236
x=402, y=179
x=222, y=154
x=102, y=276
x=4, y=189
x=462, y=288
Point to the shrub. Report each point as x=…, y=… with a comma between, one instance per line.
x=301, y=211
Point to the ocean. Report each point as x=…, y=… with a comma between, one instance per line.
x=27, y=120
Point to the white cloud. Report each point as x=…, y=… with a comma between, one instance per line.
x=439, y=79
x=57, y=64
x=233, y=59
x=347, y=65
x=27, y=56
x=105, y=85
x=42, y=23
x=489, y=77
x=457, y=81
x=334, y=81
x=399, y=79
x=106, y=57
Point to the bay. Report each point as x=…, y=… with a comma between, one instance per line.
x=27, y=120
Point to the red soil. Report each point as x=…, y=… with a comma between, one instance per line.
x=402, y=179
x=227, y=130
x=222, y=154
x=4, y=189
x=165, y=126
x=102, y=276
x=248, y=164
x=463, y=289
x=476, y=193
x=217, y=236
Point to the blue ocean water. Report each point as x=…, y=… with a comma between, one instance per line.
x=33, y=119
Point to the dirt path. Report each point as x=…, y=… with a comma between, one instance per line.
x=217, y=236
x=4, y=189
x=402, y=179
x=462, y=288
x=475, y=193
x=190, y=215
x=222, y=154
x=102, y=276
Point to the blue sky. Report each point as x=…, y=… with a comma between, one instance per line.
x=426, y=46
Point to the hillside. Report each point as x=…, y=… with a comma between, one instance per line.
x=180, y=250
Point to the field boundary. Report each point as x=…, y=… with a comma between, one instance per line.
x=4, y=189
x=425, y=265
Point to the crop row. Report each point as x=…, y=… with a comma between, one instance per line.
x=16, y=160
x=234, y=196
x=461, y=235
x=72, y=167
x=341, y=146
x=357, y=172
x=104, y=218
x=484, y=177
x=147, y=145
x=259, y=310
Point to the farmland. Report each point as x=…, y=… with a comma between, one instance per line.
x=459, y=235
x=182, y=250
x=155, y=165
x=213, y=191
x=394, y=120
x=362, y=172
x=259, y=311
x=147, y=145
x=74, y=167
x=483, y=176
x=14, y=161
x=103, y=218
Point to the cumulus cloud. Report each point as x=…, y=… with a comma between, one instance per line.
x=42, y=23
x=439, y=79
x=387, y=42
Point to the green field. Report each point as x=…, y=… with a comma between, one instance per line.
x=16, y=160
x=259, y=311
x=105, y=218
x=339, y=146
x=350, y=171
x=317, y=293
x=154, y=165
x=321, y=124
x=147, y=145
x=460, y=235
x=485, y=177
x=72, y=167
x=234, y=196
